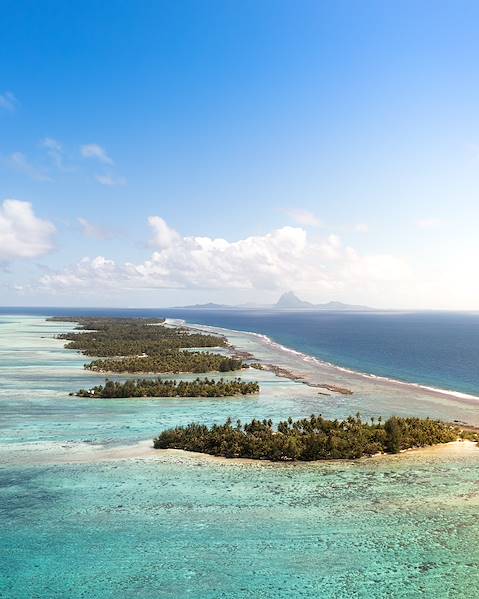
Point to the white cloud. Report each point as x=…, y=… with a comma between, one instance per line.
x=93, y=231
x=8, y=101
x=304, y=218
x=111, y=180
x=284, y=258
x=97, y=152
x=19, y=162
x=98, y=271
x=163, y=235
x=22, y=234
x=428, y=223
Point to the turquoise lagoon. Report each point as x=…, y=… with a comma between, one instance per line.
x=88, y=511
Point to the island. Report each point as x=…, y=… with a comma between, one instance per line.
x=170, y=388
x=146, y=345
x=173, y=362
x=310, y=439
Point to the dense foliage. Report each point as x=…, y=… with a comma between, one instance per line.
x=169, y=388
x=168, y=361
x=313, y=438
x=134, y=345
x=106, y=337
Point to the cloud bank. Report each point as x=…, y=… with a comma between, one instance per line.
x=284, y=258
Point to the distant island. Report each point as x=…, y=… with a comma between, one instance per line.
x=142, y=345
x=290, y=301
x=287, y=301
x=309, y=439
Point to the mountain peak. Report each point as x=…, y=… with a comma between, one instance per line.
x=291, y=300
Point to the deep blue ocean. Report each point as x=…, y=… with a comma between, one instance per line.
x=439, y=349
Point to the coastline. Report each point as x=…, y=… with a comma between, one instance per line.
x=335, y=387
x=144, y=450
x=328, y=368
x=457, y=448
x=77, y=472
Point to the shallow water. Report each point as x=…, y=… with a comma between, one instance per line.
x=174, y=527
x=436, y=349
x=147, y=528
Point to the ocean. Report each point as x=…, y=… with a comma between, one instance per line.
x=437, y=349
x=78, y=522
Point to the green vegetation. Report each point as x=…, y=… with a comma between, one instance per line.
x=169, y=388
x=313, y=438
x=135, y=345
x=169, y=361
x=107, y=337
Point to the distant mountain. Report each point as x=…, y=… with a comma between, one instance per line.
x=288, y=301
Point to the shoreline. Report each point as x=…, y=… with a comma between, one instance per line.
x=144, y=450
x=462, y=447
x=460, y=396
x=330, y=369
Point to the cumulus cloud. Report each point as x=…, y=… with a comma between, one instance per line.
x=22, y=234
x=304, y=218
x=284, y=258
x=111, y=180
x=20, y=163
x=8, y=101
x=163, y=235
x=97, y=152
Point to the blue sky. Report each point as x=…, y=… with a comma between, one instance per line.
x=181, y=152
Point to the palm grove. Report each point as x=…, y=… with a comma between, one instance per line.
x=314, y=438
x=140, y=345
x=147, y=345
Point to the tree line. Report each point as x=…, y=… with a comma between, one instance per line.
x=169, y=361
x=314, y=438
x=107, y=337
x=170, y=388
x=135, y=345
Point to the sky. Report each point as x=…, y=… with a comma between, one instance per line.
x=166, y=153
